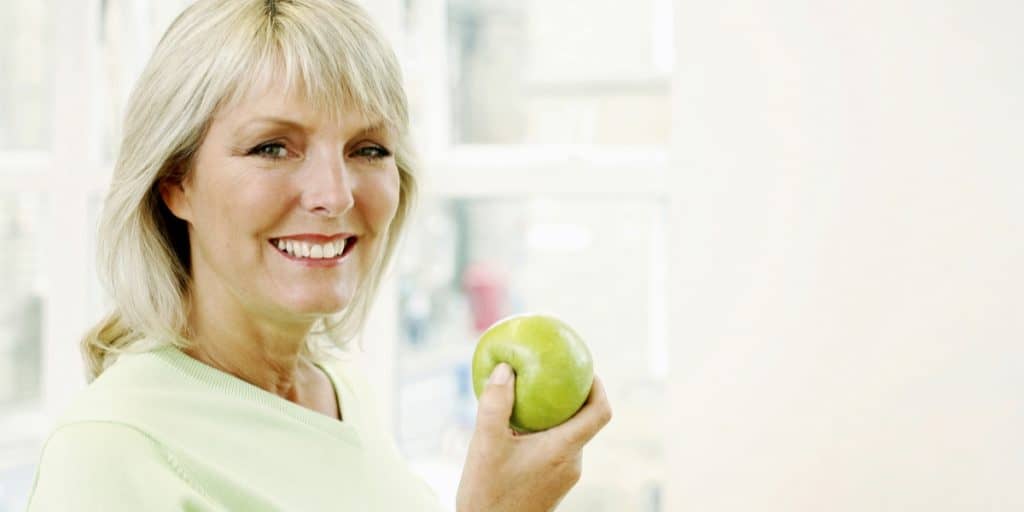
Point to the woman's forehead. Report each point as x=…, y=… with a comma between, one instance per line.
x=272, y=102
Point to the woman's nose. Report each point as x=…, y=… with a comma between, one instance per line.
x=327, y=187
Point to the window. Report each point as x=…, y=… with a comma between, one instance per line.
x=26, y=91
x=546, y=143
x=21, y=303
x=555, y=72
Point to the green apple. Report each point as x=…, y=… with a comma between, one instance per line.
x=551, y=362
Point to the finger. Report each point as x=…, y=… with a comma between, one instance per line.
x=589, y=420
x=496, y=400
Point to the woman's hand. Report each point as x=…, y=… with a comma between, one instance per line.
x=506, y=471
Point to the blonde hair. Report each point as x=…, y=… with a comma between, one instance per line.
x=209, y=58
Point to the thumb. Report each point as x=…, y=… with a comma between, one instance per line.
x=496, y=400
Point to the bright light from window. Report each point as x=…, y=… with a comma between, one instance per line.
x=559, y=237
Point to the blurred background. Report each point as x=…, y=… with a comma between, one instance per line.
x=791, y=233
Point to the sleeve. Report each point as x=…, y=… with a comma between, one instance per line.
x=109, y=467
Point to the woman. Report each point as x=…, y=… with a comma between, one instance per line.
x=264, y=178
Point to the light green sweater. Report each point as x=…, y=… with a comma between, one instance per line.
x=161, y=431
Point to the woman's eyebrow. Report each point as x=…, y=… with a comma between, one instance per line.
x=378, y=128
x=280, y=121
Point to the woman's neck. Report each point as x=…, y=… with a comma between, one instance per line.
x=251, y=346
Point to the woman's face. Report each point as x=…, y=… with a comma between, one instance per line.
x=286, y=209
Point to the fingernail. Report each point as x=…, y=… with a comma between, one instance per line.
x=501, y=374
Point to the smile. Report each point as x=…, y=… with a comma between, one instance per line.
x=328, y=253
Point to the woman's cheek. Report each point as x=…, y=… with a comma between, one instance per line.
x=384, y=200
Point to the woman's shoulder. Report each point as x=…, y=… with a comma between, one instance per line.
x=123, y=388
x=109, y=394
x=85, y=465
x=96, y=441
x=350, y=371
x=348, y=366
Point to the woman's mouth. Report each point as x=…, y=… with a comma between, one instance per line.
x=315, y=254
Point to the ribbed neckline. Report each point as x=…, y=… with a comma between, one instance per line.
x=234, y=386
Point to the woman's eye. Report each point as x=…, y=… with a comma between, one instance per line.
x=372, y=153
x=273, y=150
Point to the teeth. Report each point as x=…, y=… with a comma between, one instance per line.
x=307, y=250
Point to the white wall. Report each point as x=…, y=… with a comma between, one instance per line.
x=849, y=330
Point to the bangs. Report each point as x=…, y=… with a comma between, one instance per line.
x=334, y=66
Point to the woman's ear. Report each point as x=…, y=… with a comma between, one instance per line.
x=176, y=200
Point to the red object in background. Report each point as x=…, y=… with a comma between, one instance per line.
x=486, y=289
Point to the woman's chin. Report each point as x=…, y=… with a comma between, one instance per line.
x=312, y=301
x=316, y=308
